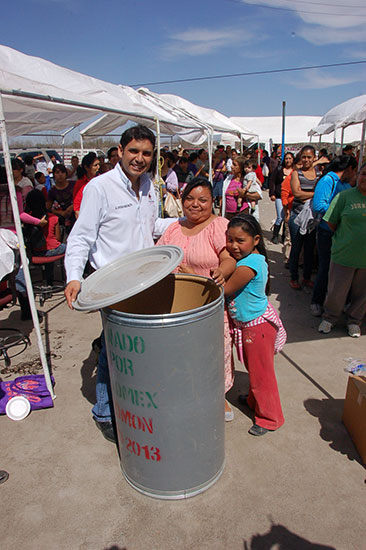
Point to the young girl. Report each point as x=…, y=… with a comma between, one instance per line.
x=51, y=246
x=258, y=331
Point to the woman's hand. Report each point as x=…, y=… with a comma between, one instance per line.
x=184, y=268
x=218, y=276
x=43, y=221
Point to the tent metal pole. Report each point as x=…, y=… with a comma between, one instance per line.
x=362, y=144
x=258, y=149
x=210, y=152
x=23, y=256
x=241, y=144
x=157, y=149
x=335, y=142
x=283, y=129
x=342, y=140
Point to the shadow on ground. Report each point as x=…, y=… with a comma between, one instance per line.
x=88, y=373
x=280, y=538
x=329, y=413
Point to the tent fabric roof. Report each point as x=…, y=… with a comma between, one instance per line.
x=349, y=112
x=296, y=128
x=32, y=75
x=211, y=118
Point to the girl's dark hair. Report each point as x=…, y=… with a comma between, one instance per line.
x=60, y=167
x=28, y=160
x=308, y=148
x=338, y=164
x=285, y=155
x=250, y=225
x=35, y=203
x=196, y=182
x=17, y=164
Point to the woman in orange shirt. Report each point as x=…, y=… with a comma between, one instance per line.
x=287, y=199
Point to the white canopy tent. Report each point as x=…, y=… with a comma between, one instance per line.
x=28, y=103
x=270, y=127
x=345, y=116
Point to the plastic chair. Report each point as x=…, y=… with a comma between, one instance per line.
x=46, y=290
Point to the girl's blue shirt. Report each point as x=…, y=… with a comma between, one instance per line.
x=251, y=301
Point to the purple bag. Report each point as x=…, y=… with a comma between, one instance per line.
x=33, y=387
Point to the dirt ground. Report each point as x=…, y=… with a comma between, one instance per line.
x=302, y=487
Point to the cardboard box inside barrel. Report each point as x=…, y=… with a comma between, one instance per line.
x=354, y=413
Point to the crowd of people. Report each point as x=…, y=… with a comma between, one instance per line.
x=320, y=219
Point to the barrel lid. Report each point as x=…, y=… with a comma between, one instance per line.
x=127, y=276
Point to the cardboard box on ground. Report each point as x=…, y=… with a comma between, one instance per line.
x=354, y=413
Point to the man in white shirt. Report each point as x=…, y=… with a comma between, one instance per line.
x=117, y=217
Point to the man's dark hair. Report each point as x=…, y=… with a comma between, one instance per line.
x=200, y=152
x=138, y=133
x=193, y=157
x=110, y=151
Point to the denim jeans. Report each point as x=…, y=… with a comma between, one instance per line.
x=324, y=244
x=49, y=267
x=102, y=410
x=298, y=241
x=279, y=211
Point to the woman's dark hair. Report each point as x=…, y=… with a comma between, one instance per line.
x=241, y=161
x=250, y=225
x=285, y=155
x=196, y=182
x=35, y=203
x=86, y=162
x=307, y=148
x=138, y=133
x=338, y=164
x=17, y=164
x=60, y=167
x=170, y=159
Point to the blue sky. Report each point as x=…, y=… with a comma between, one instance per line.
x=131, y=42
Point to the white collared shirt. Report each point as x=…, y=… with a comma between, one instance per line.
x=112, y=222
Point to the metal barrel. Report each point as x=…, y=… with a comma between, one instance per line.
x=165, y=349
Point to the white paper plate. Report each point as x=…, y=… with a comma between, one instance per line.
x=18, y=407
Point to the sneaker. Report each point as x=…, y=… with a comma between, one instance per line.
x=257, y=430
x=316, y=310
x=325, y=327
x=308, y=282
x=354, y=330
x=295, y=285
x=229, y=414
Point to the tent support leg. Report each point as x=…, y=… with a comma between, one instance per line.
x=23, y=256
